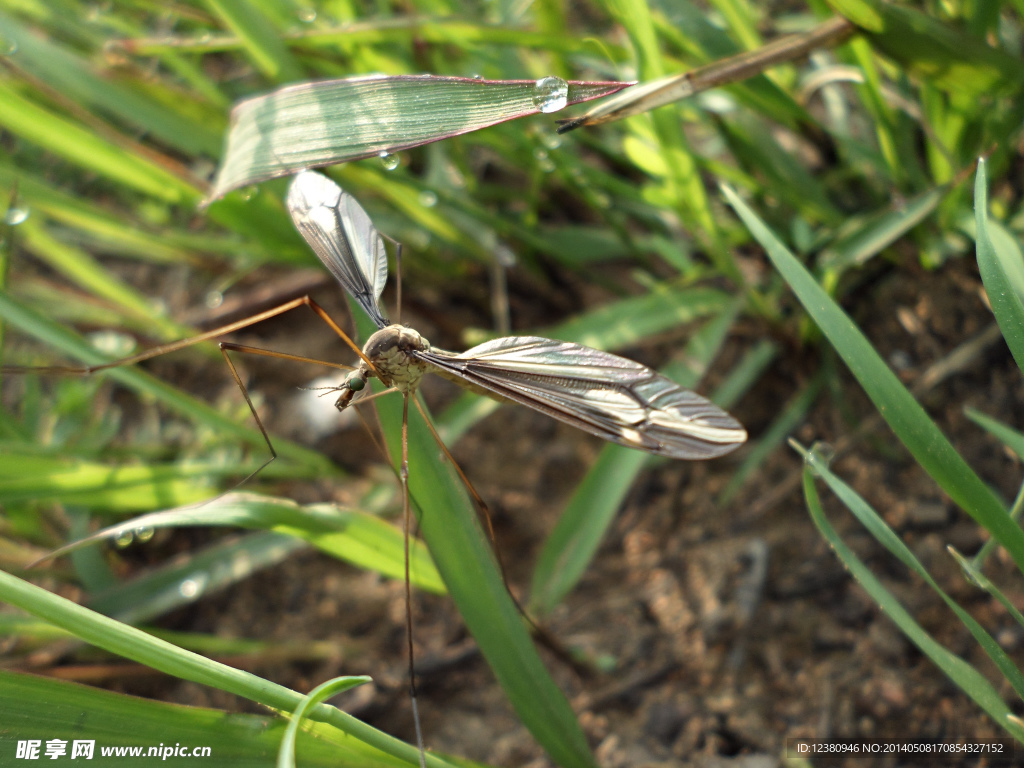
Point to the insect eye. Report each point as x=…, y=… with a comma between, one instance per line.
x=356, y=383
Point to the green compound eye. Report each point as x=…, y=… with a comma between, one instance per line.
x=356, y=383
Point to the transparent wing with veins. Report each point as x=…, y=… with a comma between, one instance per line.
x=604, y=394
x=342, y=235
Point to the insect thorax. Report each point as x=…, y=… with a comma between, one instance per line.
x=390, y=350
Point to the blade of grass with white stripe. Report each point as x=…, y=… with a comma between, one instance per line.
x=143, y=648
x=904, y=414
x=332, y=121
x=972, y=682
x=1006, y=302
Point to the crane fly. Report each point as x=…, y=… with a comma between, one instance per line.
x=609, y=396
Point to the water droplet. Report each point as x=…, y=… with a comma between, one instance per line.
x=551, y=140
x=428, y=199
x=8, y=47
x=505, y=256
x=124, y=539
x=546, y=164
x=248, y=193
x=112, y=343
x=15, y=216
x=418, y=239
x=193, y=587
x=144, y=534
x=478, y=77
x=550, y=94
x=214, y=299
x=820, y=455
x=389, y=161
x=540, y=153
x=307, y=15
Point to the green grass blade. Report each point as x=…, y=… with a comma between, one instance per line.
x=857, y=244
x=203, y=572
x=260, y=40
x=86, y=148
x=897, y=406
x=1008, y=436
x=969, y=679
x=81, y=268
x=324, y=691
x=356, y=537
x=1006, y=302
x=143, y=648
x=936, y=53
x=979, y=579
x=115, y=720
x=25, y=477
x=272, y=135
x=64, y=71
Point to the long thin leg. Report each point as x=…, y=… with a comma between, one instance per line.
x=282, y=355
x=407, y=515
x=255, y=415
x=164, y=349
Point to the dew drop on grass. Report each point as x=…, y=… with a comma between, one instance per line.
x=15, y=216
x=820, y=455
x=550, y=94
x=428, y=199
x=214, y=299
x=192, y=587
x=551, y=140
x=505, y=256
x=389, y=161
x=124, y=539
x=307, y=15
x=113, y=344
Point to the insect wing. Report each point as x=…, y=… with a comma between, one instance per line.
x=604, y=394
x=341, y=233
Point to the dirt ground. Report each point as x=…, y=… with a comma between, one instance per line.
x=731, y=628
